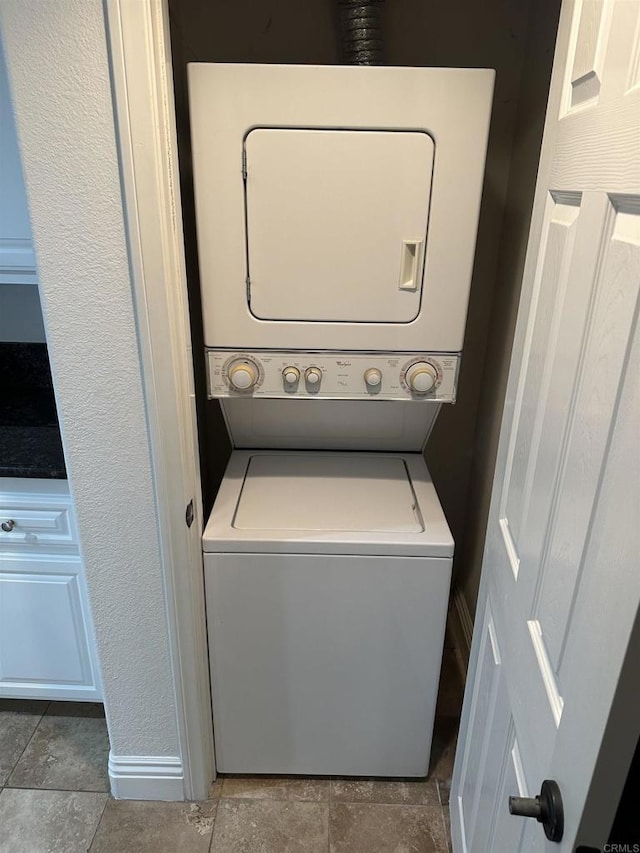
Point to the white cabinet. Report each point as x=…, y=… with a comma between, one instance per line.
x=46, y=636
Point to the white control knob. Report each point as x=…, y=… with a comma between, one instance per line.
x=421, y=377
x=291, y=375
x=313, y=375
x=373, y=377
x=242, y=375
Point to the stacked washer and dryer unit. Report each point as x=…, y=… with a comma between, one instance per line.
x=337, y=210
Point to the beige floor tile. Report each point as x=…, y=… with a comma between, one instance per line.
x=146, y=827
x=276, y=788
x=69, y=751
x=18, y=721
x=270, y=826
x=215, y=791
x=409, y=792
x=48, y=821
x=375, y=828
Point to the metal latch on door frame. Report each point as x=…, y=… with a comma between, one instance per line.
x=189, y=513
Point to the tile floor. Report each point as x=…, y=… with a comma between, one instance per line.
x=54, y=796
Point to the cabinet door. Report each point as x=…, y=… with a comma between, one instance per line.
x=337, y=223
x=44, y=648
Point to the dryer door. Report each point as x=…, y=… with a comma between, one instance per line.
x=336, y=223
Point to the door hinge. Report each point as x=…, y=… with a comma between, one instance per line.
x=188, y=516
x=244, y=165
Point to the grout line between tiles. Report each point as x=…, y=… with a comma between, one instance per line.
x=329, y=812
x=375, y=804
x=273, y=800
x=215, y=819
x=61, y=790
x=444, y=825
x=95, y=831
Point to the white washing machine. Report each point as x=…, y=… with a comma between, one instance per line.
x=336, y=213
x=327, y=579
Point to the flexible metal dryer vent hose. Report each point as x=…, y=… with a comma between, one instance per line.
x=360, y=31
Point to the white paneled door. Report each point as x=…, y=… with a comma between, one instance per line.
x=561, y=578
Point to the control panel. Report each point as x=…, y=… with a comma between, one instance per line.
x=333, y=375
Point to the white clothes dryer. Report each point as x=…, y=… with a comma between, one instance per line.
x=327, y=579
x=337, y=206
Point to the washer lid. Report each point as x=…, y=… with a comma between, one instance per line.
x=328, y=493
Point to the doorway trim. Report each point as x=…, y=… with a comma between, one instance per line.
x=141, y=71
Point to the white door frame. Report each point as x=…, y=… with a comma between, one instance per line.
x=140, y=56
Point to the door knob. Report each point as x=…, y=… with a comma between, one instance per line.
x=546, y=808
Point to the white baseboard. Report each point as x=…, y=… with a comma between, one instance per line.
x=462, y=624
x=146, y=777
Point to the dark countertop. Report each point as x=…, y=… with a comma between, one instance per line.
x=31, y=451
x=30, y=443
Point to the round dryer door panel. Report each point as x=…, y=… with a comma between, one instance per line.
x=336, y=224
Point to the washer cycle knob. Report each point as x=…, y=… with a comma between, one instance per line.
x=421, y=377
x=242, y=375
x=313, y=376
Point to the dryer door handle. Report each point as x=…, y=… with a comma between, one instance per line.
x=410, y=264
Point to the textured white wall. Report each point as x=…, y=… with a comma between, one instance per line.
x=57, y=59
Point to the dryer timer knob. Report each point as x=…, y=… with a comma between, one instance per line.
x=243, y=375
x=421, y=377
